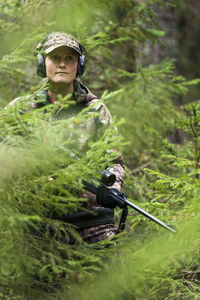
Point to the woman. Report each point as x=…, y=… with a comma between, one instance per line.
x=61, y=59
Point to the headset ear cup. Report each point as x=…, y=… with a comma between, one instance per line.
x=81, y=66
x=81, y=61
x=41, y=68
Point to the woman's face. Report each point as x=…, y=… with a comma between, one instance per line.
x=61, y=65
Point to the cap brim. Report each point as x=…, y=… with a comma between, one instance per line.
x=50, y=49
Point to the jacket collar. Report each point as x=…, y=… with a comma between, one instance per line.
x=81, y=93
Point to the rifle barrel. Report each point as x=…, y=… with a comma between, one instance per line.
x=146, y=214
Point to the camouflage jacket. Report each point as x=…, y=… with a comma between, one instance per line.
x=94, y=126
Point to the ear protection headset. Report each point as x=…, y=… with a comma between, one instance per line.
x=41, y=67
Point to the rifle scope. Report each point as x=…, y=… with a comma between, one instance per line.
x=107, y=178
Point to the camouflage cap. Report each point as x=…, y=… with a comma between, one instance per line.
x=58, y=39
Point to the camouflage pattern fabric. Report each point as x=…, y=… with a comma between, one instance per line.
x=97, y=233
x=118, y=170
x=58, y=39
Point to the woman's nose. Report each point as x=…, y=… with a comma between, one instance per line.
x=62, y=63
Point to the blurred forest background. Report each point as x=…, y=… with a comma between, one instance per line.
x=142, y=60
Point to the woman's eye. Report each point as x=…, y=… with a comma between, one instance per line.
x=55, y=57
x=69, y=58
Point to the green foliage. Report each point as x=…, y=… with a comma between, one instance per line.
x=148, y=273
x=40, y=178
x=40, y=174
x=149, y=99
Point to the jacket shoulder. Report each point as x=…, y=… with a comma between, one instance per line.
x=18, y=100
x=30, y=101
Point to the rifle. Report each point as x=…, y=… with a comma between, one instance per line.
x=108, y=179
